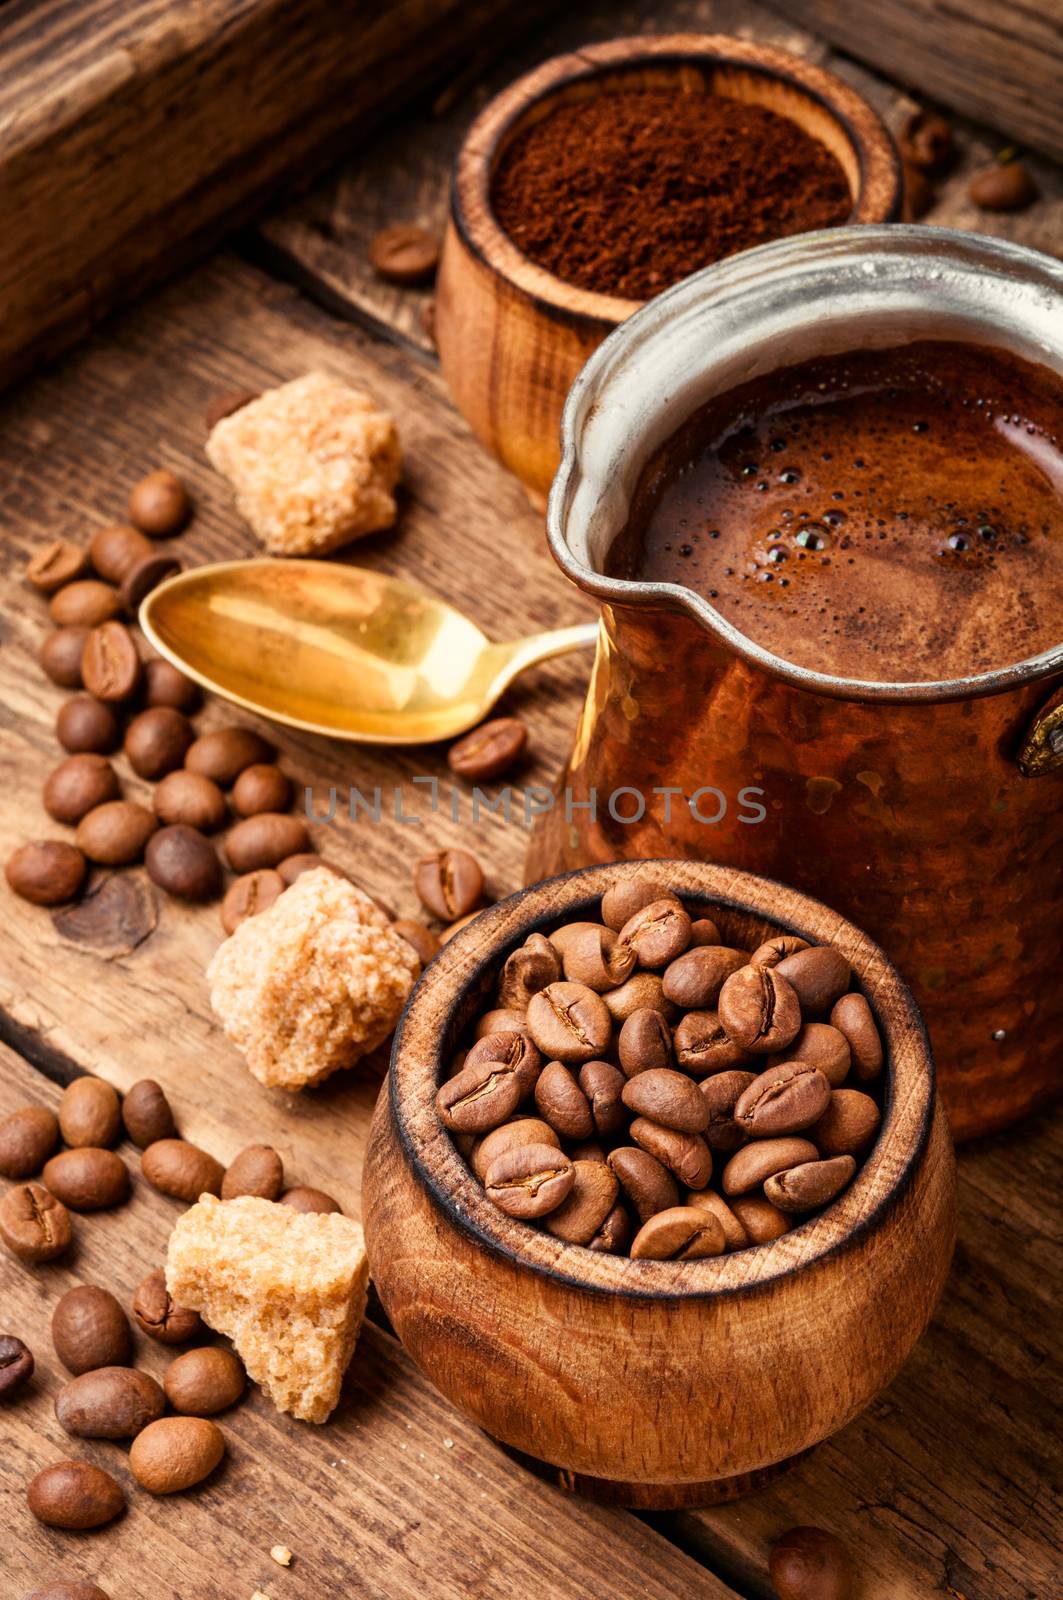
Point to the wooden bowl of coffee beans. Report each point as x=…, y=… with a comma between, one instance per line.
x=603, y=177
x=659, y=1191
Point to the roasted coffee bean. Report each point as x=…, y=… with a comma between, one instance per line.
x=46, y=872
x=156, y=741
x=456, y=927
x=772, y=951
x=926, y=141
x=159, y=504
x=115, y=833
x=852, y=1016
x=489, y=750
x=498, y=1073
x=109, y=1403
x=693, y=980
x=818, y=1044
x=164, y=685
x=225, y=753
x=110, y=666
x=818, y=976
x=74, y=1494
x=16, y=1365
x=90, y=1329
x=69, y=1589
x=258, y=1170
x=525, y=1130
x=734, y=1233
x=648, y=1185
x=703, y=1046
x=810, y=1564
x=596, y=958
x=226, y=404
x=190, y=799
x=175, y=1453
x=603, y=1085
x=203, y=1382
x=684, y=1154
x=418, y=937
x=89, y=1113
x=266, y=840
x=785, y=1099
x=78, y=785
x=1006, y=186
x=85, y=604
x=585, y=1150
x=83, y=723
x=34, y=1225
x=140, y=580
x=669, y=1098
x=643, y=991
x=569, y=1022
x=310, y=1201
x=683, y=1233
x=630, y=895
x=181, y=1170
x=87, y=1179
x=759, y=1009
x=27, y=1138
x=183, y=861
x=55, y=565
x=812, y=1184
x=262, y=787
x=529, y=1180
x=404, y=254
x=704, y=931
x=848, y=1125
x=248, y=896
x=590, y=1200
x=449, y=884
x=562, y=1103
x=61, y=655
x=658, y=933
x=293, y=867
x=645, y=1043
x=526, y=972
x=721, y=1093
x=114, y=550
x=750, y=1166
x=614, y=1235
x=501, y=1021
x=157, y=1315
x=562, y=937
x=762, y=1221
x=146, y=1113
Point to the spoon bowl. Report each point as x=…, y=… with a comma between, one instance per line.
x=338, y=650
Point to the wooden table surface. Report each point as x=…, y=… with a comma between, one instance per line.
x=943, y=1487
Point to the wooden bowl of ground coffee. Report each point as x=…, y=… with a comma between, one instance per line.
x=655, y=1383
x=600, y=179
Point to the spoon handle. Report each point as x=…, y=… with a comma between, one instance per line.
x=558, y=642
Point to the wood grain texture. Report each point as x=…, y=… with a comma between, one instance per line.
x=397, y=1496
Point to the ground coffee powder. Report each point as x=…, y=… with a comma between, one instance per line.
x=629, y=191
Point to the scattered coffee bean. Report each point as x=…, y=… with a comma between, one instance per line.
x=74, y=1494
x=823, y=1046
x=420, y=938
x=184, y=863
x=83, y=723
x=703, y=1046
x=785, y=1099
x=489, y=750
x=90, y=1329
x=818, y=977
x=526, y=1130
x=181, y=1170
x=683, y=1233
x=266, y=840
x=529, y=1180
x=189, y=799
x=1006, y=186
x=34, y=1224
x=595, y=957
x=749, y=1167
x=203, y=1382
x=693, y=980
x=562, y=1103
x=648, y=1185
x=762, y=1221
x=159, y=1318
x=456, y=927
x=146, y=1113
x=498, y=1073
x=293, y=867
x=116, y=833
x=669, y=1098
x=851, y=1015
x=926, y=141
x=810, y=1564
x=164, y=685
x=658, y=933
x=848, y=1125
x=645, y=1043
x=404, y=254
x=61, y=655
x=110, y=666
x=78, y=785
x=249, y=895
x=55, y=565
x=303, y=1198
x=810, y=1185
x=84, y=604
x=223, y=754
x=109, y=1403
x=630, y=895
x=526, y=972
x=89, y=1113
x=69, y=1589
x=175, y=1453
x=46, y=872
x=258, y=1170
x=156, y=741
x=140, y=580
x=759, y=1009
x=27, y=1138
x=262, y=787
x=227, y=404
x=591, y=1198
x=117, y=548
x=87, y=1179
x=16, y=1365
x=450, y=884
x=159, y=504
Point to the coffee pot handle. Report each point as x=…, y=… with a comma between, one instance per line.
x=1042, y=749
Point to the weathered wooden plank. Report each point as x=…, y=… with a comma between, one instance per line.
x=397, y=1496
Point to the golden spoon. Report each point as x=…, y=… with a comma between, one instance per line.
x=338, y=650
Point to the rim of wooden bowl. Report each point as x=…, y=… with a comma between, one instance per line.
x=422, y=1049
x=878, y=198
